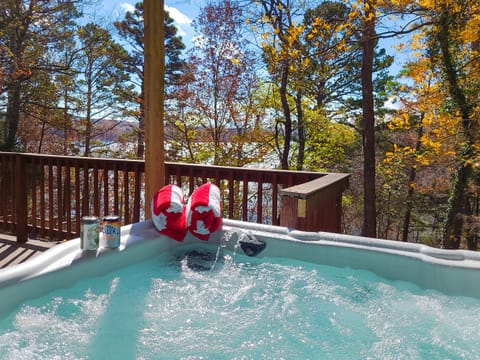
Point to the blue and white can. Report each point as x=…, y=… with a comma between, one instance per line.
x=111, y=231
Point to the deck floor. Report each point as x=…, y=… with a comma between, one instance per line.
x=13, y=253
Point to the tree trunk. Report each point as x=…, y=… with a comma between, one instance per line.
x=287, y=116
x=13, y=117
x=65, y=121
x=301, y=132
x=368, y=122
x=42, y=133
x=454, y=225
x=141, y=127
x=411, y=179
x=452, y=235
x=88, y=120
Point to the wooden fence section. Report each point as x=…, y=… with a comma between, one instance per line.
x=315, y=205
x=45, y=196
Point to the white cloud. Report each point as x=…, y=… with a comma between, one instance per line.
x=182, y=21
x=199, y=41
x=126, y=7
x=179, y=17
x=180, y=32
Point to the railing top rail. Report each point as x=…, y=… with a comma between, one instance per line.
x=306, y=190
x=246, y=169
x=63, y=159
x=73, y=158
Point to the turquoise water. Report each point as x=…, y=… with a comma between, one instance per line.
x=225, y=306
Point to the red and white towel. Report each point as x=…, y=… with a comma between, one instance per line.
x=204, y=211
x=169, y=212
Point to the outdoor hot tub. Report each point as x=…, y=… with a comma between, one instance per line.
x=251, y=291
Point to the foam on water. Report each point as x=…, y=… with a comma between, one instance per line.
x=220, y=305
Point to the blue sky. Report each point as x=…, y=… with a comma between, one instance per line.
x=185, y=11
x=182, y=11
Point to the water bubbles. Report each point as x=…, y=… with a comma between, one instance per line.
x=208, y=300
x=199, y=260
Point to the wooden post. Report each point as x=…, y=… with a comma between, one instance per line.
x=154, y=81
x=315, y=205
x=21, y=199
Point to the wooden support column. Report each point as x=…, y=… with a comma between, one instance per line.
x=315, y=205
x=154, y=82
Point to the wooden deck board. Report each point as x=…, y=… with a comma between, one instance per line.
x=13, y=253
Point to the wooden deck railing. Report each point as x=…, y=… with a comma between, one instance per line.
x=45, y=196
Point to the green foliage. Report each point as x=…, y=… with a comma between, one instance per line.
x=131, y=30
x=216, y=117
x=31, y=33
x=301, y=107
x=330, y=146
x=101, y=75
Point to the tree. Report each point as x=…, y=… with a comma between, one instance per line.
x=447, y=44
x=131, y=29
x=367, y=43
x=424, y=136
x=280, y=37
x=320, y=58
x=218, y=115
x=38, y=128
x=451, y=42
x=46, y=124
x=67, y=87
x=29, y=31
x=460, y=62
x=101, y=76
x=334, y=55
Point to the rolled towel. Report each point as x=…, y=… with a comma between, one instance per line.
x=169, y=212
x=204, y=211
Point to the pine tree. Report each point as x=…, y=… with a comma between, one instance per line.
x=131, y=29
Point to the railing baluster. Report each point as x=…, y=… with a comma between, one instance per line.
x=125, y=196
x=231, y=198
x=106, y=207
x=191, y=181
x=179, y=178
x=4, y=161
x=42, y=198
x=68, y=199
x=259, y=198
x=4, y=177
x=136, y=201
x=245, y=197
x=86, y=191
x=51, y=198
x=21, y=200
x=60, y=208
x=274, y=200
x=116, y=207
x=78, y=211
x=96, y=197
x=34, y=181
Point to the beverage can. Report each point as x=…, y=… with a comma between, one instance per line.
x=89, y=232
x=111, y=231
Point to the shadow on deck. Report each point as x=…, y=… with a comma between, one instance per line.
x=13, y=253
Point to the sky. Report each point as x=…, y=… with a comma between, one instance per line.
x=182, y=12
